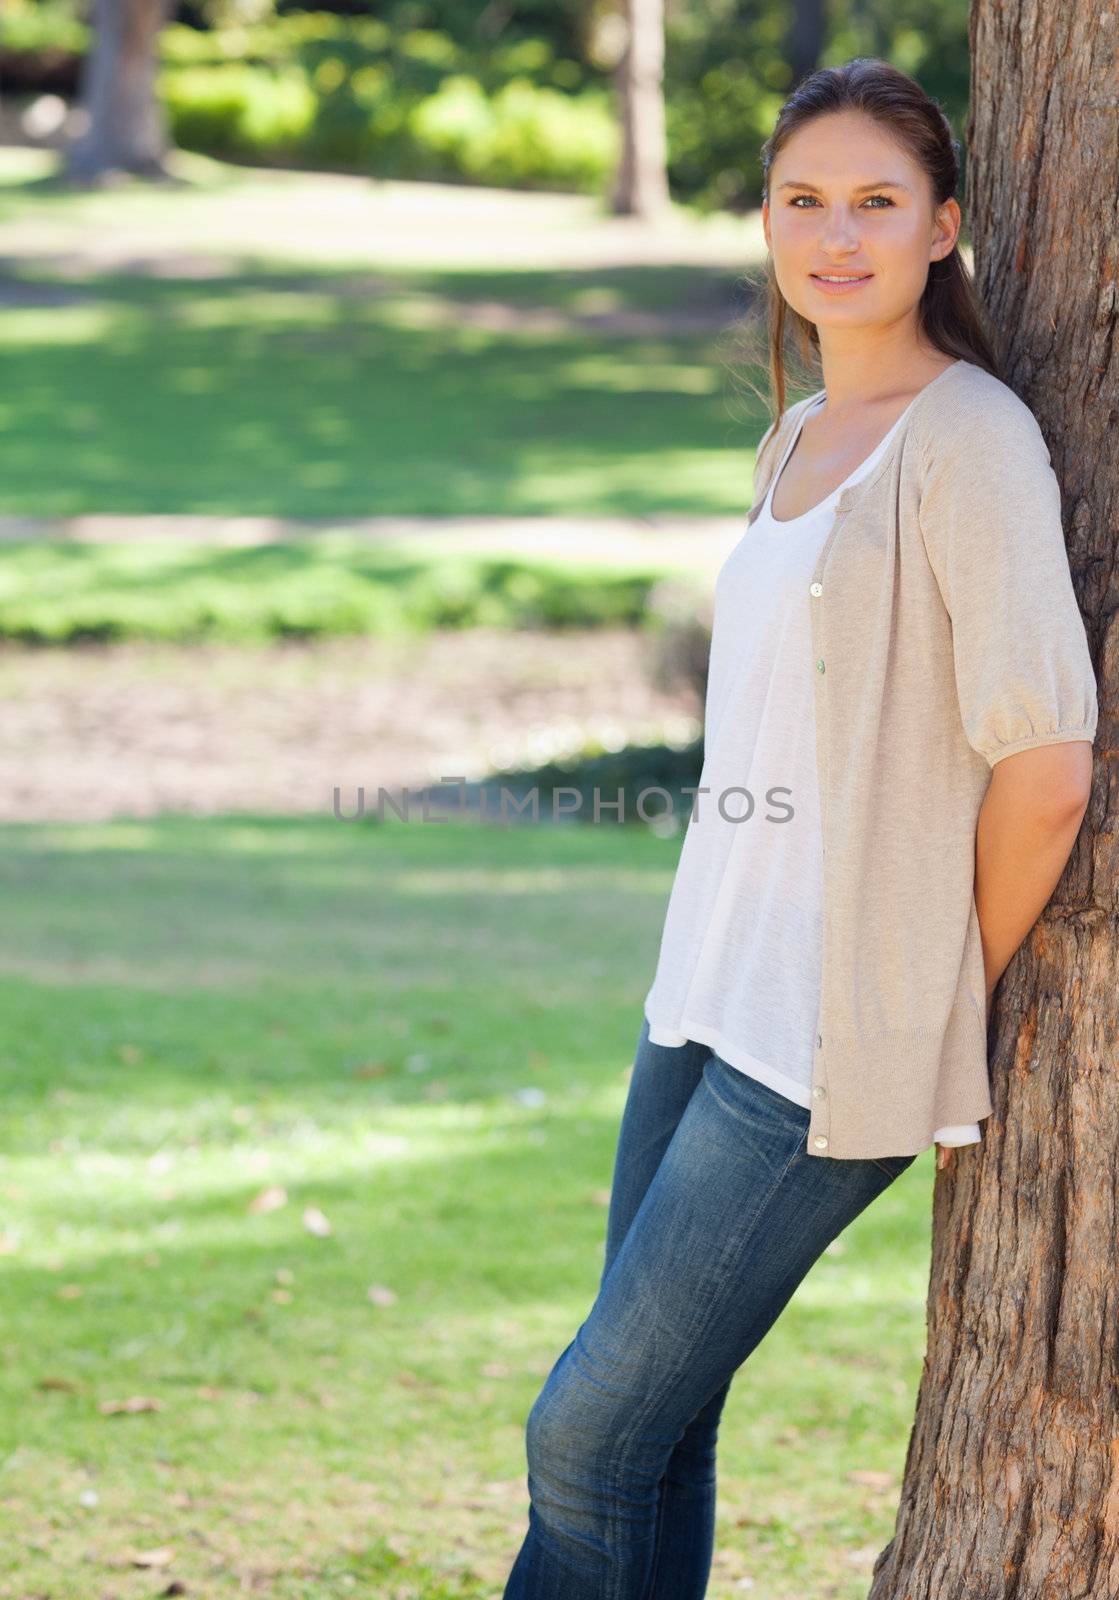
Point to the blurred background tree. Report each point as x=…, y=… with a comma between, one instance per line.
x=520, y=93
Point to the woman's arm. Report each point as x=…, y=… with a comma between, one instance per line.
x=991, y=520
x=1028, y=823
x=1027, y=826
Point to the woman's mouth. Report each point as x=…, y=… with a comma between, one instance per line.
x=840, y=283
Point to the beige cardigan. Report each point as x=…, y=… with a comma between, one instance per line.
x=945, y=635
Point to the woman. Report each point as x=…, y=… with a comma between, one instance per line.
x=899, y=662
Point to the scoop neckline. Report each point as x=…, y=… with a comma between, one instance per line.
x=846, y=492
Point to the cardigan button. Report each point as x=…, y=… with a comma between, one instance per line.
x=820, y=665
x=818, y=1093
x=816, y=588
x=820, y=1142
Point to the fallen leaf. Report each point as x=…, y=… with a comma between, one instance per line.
x=162, y=1557
x=315, y=1222
x=135, y=1402
x=269, y=1199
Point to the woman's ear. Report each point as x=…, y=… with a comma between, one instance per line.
x=949, y=218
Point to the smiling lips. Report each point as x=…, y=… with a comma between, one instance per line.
x=840, y=282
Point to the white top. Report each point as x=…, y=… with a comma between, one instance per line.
x=740, y=956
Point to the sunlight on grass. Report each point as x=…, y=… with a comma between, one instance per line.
x=262, y=306
x=678, y=377
x=539, y=880
x=592, y=480
x=450, y=1111
x=68, y=326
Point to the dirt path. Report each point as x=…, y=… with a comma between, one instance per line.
x=695, y=544
x=133, y=730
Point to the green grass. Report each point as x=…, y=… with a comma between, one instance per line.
x=328, y=389
x=243, y=397
x=53, y=591
x=199, y=1010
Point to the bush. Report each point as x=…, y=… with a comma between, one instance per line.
x=55, y=594
x=345, y=91
x=237, y=110
x=679, y=614
x=631, y=772
x=521, y=135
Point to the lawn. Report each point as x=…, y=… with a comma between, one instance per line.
x=228, y=1036
x=236, y=378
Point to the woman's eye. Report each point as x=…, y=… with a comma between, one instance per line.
x=885, y=197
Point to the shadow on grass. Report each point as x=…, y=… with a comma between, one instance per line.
x=303, y=395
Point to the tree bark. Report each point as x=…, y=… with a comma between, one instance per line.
x=641, y=185
x=1011, y=1485
x=126, y=129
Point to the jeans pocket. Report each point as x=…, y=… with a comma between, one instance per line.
x=748, y=1096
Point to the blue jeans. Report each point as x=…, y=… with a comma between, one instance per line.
x=716, y=1215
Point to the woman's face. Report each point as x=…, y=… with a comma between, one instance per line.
x=845, y=198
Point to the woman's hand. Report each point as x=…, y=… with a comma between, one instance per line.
x=944, y=1154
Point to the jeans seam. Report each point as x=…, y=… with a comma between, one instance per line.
x=652, y=1584
x=624, y=1437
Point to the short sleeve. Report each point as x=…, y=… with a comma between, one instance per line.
x=990, y=517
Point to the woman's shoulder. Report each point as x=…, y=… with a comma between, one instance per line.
x=971, y=415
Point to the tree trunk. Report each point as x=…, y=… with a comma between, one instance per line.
x=1011, y=1488
x=641, y=185
x=126, y=129
x=806, y=39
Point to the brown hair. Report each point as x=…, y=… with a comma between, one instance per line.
x=950, y=312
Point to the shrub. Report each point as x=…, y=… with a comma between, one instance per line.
x=237, y=109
